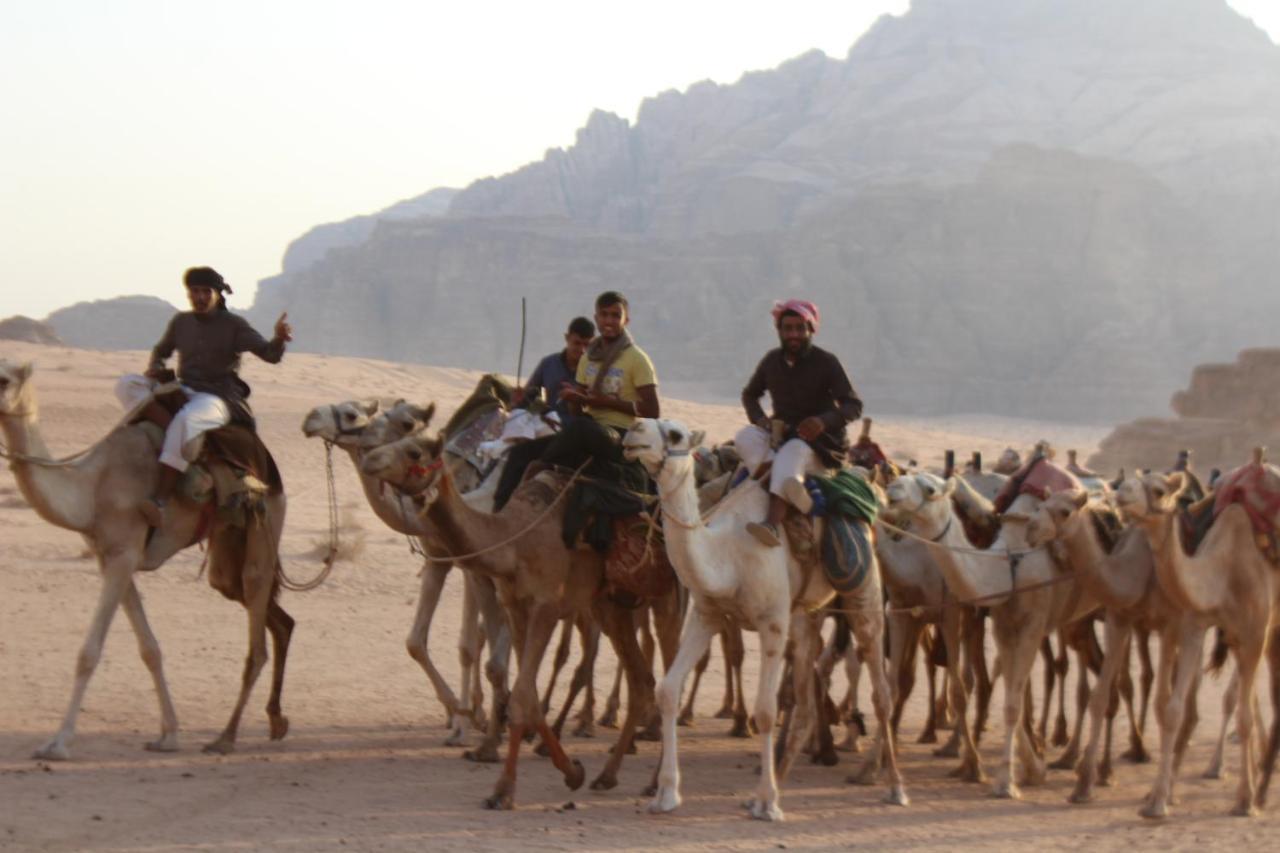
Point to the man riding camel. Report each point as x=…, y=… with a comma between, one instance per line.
x=813, y=401
x=209, y=340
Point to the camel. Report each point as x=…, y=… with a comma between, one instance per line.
x=357, y=427
x=767, y=590
x=539, y=582
x=999, y=577
x=1229, y=583
x=97, y=495
x=1122, y=579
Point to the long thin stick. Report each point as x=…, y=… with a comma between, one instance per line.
x=524, y=316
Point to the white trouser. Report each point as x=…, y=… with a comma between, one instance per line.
x=201, y=413
x=792, y=461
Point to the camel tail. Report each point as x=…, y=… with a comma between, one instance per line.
x=1218, y=657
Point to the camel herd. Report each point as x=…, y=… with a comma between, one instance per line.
x=1055, y=561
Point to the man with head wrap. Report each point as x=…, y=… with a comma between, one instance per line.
x=812, y=400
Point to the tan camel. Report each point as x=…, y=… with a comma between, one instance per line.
x=1122, y=578
x=357, y=427
x=97, y=496
x=727, y=573
x=539, y=582
x=1230, y=583
x=1020, y=585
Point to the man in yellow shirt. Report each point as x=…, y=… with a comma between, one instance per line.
x=615, y=384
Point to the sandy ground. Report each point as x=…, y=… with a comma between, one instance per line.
x=363, y=767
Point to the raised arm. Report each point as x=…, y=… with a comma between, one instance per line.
x=270, y=351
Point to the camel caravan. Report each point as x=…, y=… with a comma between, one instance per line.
x=568, y=502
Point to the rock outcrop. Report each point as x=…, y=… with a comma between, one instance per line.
x=127, y=322
x=1226, y=411
x=19, y=328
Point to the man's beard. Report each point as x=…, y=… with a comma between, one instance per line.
x=795, y=348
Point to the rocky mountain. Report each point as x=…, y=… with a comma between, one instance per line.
x=1226, y=411
x=19, y=328
x=127, y=322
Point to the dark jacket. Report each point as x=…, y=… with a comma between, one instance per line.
x=209, y=348
x=815, y=386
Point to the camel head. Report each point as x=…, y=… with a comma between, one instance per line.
x=395, y=422
x=712, y=462
x=1056, y=517
x=922, y=500
x=339, y=423
x=1145, y=495
x=657, y=443
x=412, y=464
x=1009, y=462
x=13, y=380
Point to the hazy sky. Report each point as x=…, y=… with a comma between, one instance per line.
x=141, y=137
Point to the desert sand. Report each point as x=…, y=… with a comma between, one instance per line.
x=363, y=767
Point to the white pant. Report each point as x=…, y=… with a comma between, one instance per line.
x=792, y=461
x=202, y=413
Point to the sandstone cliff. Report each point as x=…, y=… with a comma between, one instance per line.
x=19, y=328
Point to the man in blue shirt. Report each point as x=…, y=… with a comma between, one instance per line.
x=551, y=375
x=557, y=369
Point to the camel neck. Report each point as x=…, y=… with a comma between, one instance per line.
x=459, y=528
x=392, y=510
x=969, y=575
x=1191, y=583
x=695, y=551
x=61, y=495
x=1112, y=578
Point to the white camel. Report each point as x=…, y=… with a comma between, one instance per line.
x=730, y=575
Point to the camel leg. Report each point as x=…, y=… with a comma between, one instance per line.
x=619, y=624
x=742, y=726
x=1248, y=657
x=1116, y=637
x=697, y=638
x=117, y=578
x=149, y=651
x=498, y=636
x=1046, y=652
x=433, y=576
x=609, y=719
x=854, y=725
x=904, y=644
x=1061, y=667
x=975, y=634
x=558, y=662
x=280, y=625
x=686, y=713
x=257, y=581
x=728, y=706
x=581, y=673
x=1180, y=653
x=970, y=769
x=930, y=732
x=867, y=622
x=773, y=631
x=586, y=717
x=667, y=620
x=1215, y=769
x=1273, y=744
x=1137, y=751
x=524, y=710
x=1017, y=659
x=468, y=664
x=804, y=635
x=1067, y=760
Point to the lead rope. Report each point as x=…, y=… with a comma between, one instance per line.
x=332, y=554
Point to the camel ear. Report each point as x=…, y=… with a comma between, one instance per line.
x=1177, y=483
x=370, y=408
x=697, y=438
x=24, y=371
x=1079, y=498
x=428, y=413
x=421, y=413
x=674, y=436
x=949, y=487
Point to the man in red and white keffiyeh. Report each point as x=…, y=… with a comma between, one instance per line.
x=812, y=400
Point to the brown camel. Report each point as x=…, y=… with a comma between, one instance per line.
x=539, y=582
x=97, y=495
x=1229, y=583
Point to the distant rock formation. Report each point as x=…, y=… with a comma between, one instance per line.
x=1048, y=208
x=19, y=328
x=127, y=322
x=1227, y=410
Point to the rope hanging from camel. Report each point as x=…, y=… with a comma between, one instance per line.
x=331, y=555
x=959, y=549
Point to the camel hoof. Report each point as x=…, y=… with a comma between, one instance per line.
x=1104, y=777
x=1244, y=810
x=1213, y=773
x=586, y=728
x=897, y=796
x=166, y=743
x=866, y=775
x=52, y=751
x=1006, y=791
x=279, y=727
x=740, y=729
x=609, y=719
x=950, y=750
x=574, y=778
x=221, y=746
x=1137, y=754
x=763, y=811
x=456, y=737
x=928, y=736
x=483, y=755
x=725, y=713
x=542, y=750
x=650, y=734
x=499, y=803
x=650, y=790
x=969, y=772
x=1153, y=810
x=606, y=783
x=826, y=758
x=685, y=719
x=1081, y=795
x=667, y=800
x=1064, y=762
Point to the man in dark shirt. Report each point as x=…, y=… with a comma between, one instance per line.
x=557, y=369
x=813, y=401
x=209, y=341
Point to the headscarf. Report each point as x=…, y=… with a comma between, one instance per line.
x=804, y=308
